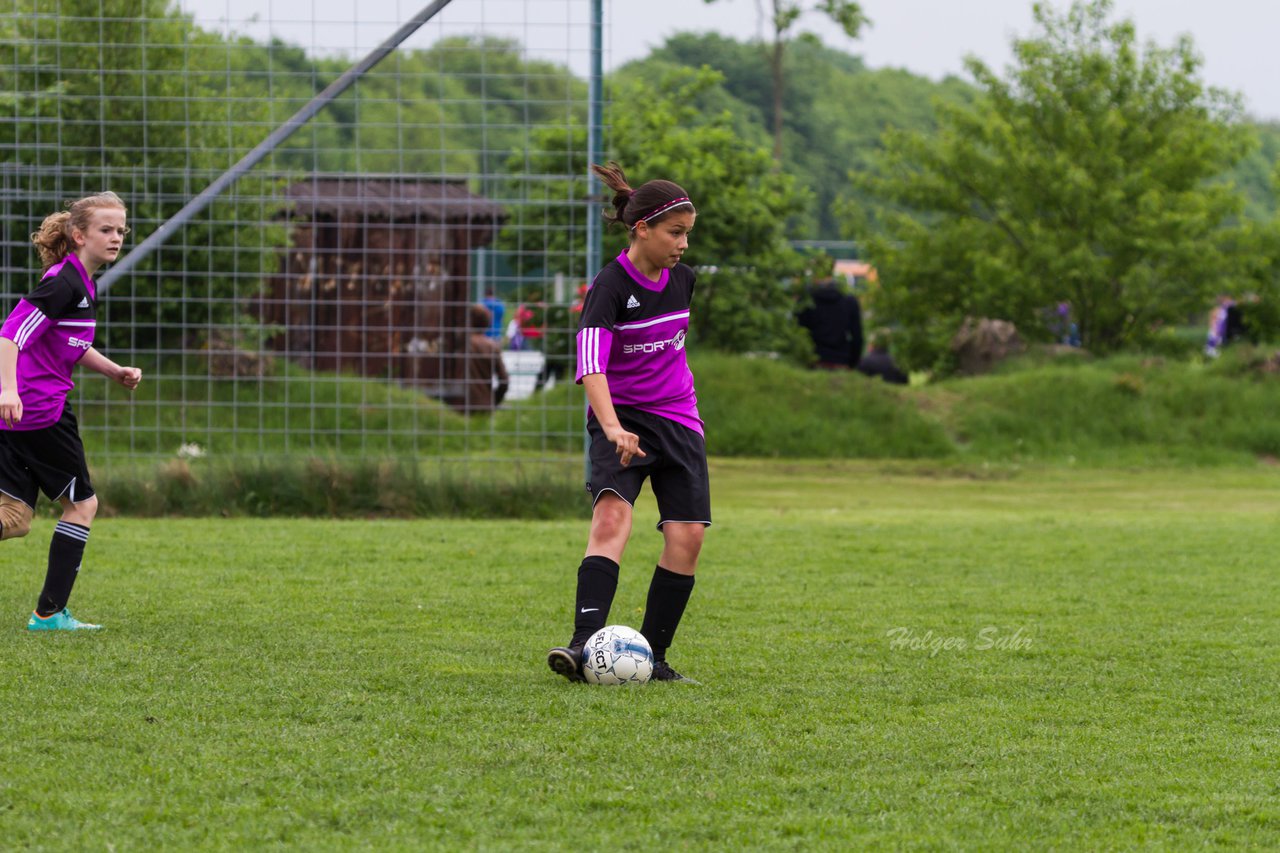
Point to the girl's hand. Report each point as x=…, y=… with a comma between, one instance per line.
x=626, y=443
x=129, y=377
x=10, y=407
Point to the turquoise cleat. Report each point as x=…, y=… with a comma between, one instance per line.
x=60, y=621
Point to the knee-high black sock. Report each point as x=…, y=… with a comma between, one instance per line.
x=66, y=550
x=668, y=595
x=597, y=582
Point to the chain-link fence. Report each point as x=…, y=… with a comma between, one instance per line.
x=398, y=276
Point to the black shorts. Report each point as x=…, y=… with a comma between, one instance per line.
x=50, y=459
x=675, y=458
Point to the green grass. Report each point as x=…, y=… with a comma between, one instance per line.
x=316, y=684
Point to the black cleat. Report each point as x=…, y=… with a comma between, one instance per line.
x=662, y=671
x=566, y=661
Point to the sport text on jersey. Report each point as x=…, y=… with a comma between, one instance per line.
x=676, y=342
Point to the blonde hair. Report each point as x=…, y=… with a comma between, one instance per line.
x=53, y=240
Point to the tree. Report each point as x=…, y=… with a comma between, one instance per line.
x=1090, y=174
x=148, y=114
x=744, y=295
x=836, y=110
x=1258, y=247
x=784, y=15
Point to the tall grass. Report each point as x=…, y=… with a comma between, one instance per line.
x=346, y=488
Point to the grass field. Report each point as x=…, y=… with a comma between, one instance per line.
x=1012, y=658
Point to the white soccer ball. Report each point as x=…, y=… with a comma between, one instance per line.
x=617, y=654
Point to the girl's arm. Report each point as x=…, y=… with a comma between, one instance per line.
x=10, y=402
x=129, y=377
x=627, y=443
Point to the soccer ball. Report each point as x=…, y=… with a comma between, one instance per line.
x=617, y=654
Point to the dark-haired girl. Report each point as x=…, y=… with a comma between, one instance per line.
x=642, y=418
x=50, y=331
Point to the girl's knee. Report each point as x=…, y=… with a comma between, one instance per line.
x=611, y=526
x=15, y=518
x=81, y=512
x=686, y=536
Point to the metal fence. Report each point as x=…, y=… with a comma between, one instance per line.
x=330, y=295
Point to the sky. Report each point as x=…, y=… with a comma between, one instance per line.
x=1236, y=38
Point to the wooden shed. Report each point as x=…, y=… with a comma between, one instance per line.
x=376, y=280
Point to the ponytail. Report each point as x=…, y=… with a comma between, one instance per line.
x=650, y=203
x=53, y=240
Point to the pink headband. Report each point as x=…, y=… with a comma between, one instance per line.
x=675, y=202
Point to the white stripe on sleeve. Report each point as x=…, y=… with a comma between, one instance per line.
x=33, y=322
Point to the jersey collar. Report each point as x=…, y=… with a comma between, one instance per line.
x=639, y=277
x=84, y=276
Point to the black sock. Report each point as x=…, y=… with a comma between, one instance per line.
x=66, y=550
x=597, y=582
x=668, y=595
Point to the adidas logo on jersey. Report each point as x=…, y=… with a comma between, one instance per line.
x=632, y=302
x=84, y=302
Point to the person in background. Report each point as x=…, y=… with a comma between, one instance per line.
x=487, y=379
x=1219, y=325
x=834, y=321
x=496, y=310
x=878, y=363
x=1066, y=329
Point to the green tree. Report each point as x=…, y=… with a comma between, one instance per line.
x=835, y=111
x=459, y=107
x=1258, y=247
x=148, y=112
x=746, y=267
x=782, y=18
x=1090, y=174
x=1253, y=173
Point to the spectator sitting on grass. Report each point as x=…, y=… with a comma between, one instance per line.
x=878, y=362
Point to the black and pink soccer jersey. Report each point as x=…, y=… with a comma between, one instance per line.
x=633, y=330
x=53, y=328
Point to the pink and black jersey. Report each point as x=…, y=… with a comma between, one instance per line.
x=53, y=328
x=633, y=331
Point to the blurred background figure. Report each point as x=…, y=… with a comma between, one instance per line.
x=1065, y=328
x=834, y=321
x=487, y=380
x=496, y=310
x=1225, y=325
x=878, y=362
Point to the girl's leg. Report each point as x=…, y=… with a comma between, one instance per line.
x=672, y=584
x=598, y=573
x=66, y=550
x=597, y=581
